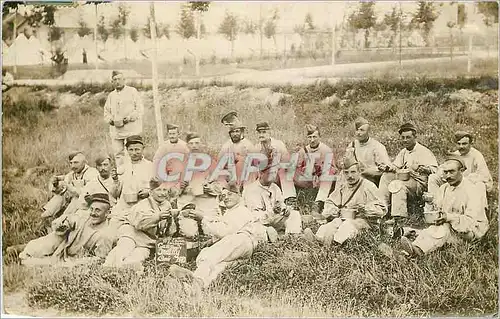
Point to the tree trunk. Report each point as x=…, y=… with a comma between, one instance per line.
x=95, y=40
x=367, y=35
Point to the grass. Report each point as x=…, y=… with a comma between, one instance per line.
x=354, y=280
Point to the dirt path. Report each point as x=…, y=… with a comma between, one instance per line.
x=297, y=76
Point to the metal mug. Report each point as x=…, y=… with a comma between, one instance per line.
x=119, y=123
x=131, y=198
x=432, y=216
x=404, y=174
x=348, y=213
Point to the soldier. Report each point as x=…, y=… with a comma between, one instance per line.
x=265, y=199
x=123, y=112
x=238, y=145
x=312, y=182
x=84, y=233
x=369, y=152
x=477, y=170
x=352, y=207
x=419, y=161
x=275, y=149
x=461, y=212
x=135, y=176
x=173, y=145
x=236, y=234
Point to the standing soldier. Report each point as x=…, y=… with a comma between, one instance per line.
x=173, y=145
x=123, y=112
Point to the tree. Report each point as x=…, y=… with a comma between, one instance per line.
x=164, y=29
x=83, y=29
x=489, y=10
x=364, y=19
x=249, y=27
x=308, y=21
x=186, y=27
x=424, y=18
x=123, y=13
x=229, y=28
x=393, y=21
x=116, y=28
x=101, y=30
x=134, y=33
x=270, y=27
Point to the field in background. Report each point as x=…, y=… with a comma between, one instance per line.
x=41, y=126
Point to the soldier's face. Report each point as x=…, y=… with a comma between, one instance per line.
x=135, y=151
x=352, y=175
x=362, y=132
x=160, y=194
x=313, y=139
x=266, y=178
x=194, y=145
x=236, y=135
x=77, y=163
x=98, y=212
x=104, y=168
x=173, y=136
x=464, y=146
x=118, y=81
x=230, y=199
x=263, y=135
x=452, y=172
x=409, y=139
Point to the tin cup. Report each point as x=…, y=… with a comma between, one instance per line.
x=432, y=216
x=119, y=123
x=348, y=213
x=131, y=197
x=404, y=174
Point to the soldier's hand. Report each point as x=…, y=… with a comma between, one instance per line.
x=165, y=214
x=126, y=120
x=383, y=167
x=442, y=219
x=143, y=193
x=183, y=185
x=112, y=123
x=114, y=174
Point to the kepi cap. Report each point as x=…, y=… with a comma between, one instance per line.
x=172, y=127
x=461, y=134
x=233, y=188
x=192, y=135
x=310, y=129
x=263, y=126
x=99, y=197
x=348, y=162
x=360, y=121
x=457, y=158
x=134, y=139
x=407, y=127
x=73, y=154
x=229, y=117
x=115, y=73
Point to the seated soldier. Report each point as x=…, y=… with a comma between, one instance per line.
x=352, y=207
x=82, y=234
x=265, y=199
x=106, y=182
x=236, y=233
x=311, y=182
x=137, y=236
x=68, y=188
x=135, y=176
x=477, y=170
x=199, y=190
x=462, y=213
x=369, y=152
x=419, y=163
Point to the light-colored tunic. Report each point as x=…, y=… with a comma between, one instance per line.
x=121, y=104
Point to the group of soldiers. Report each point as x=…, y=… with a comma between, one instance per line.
x=117, y=210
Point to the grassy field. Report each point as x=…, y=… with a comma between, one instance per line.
x=289, y=278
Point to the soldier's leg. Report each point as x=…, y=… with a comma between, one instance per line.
x=326, y=232
x=349, y=229
x=137, y=256
x=214, y=259
x=434, y=237
x=385, y=180
x=124, y=247
x=293, y=223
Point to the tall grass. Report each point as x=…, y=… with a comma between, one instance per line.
x=354, y=280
